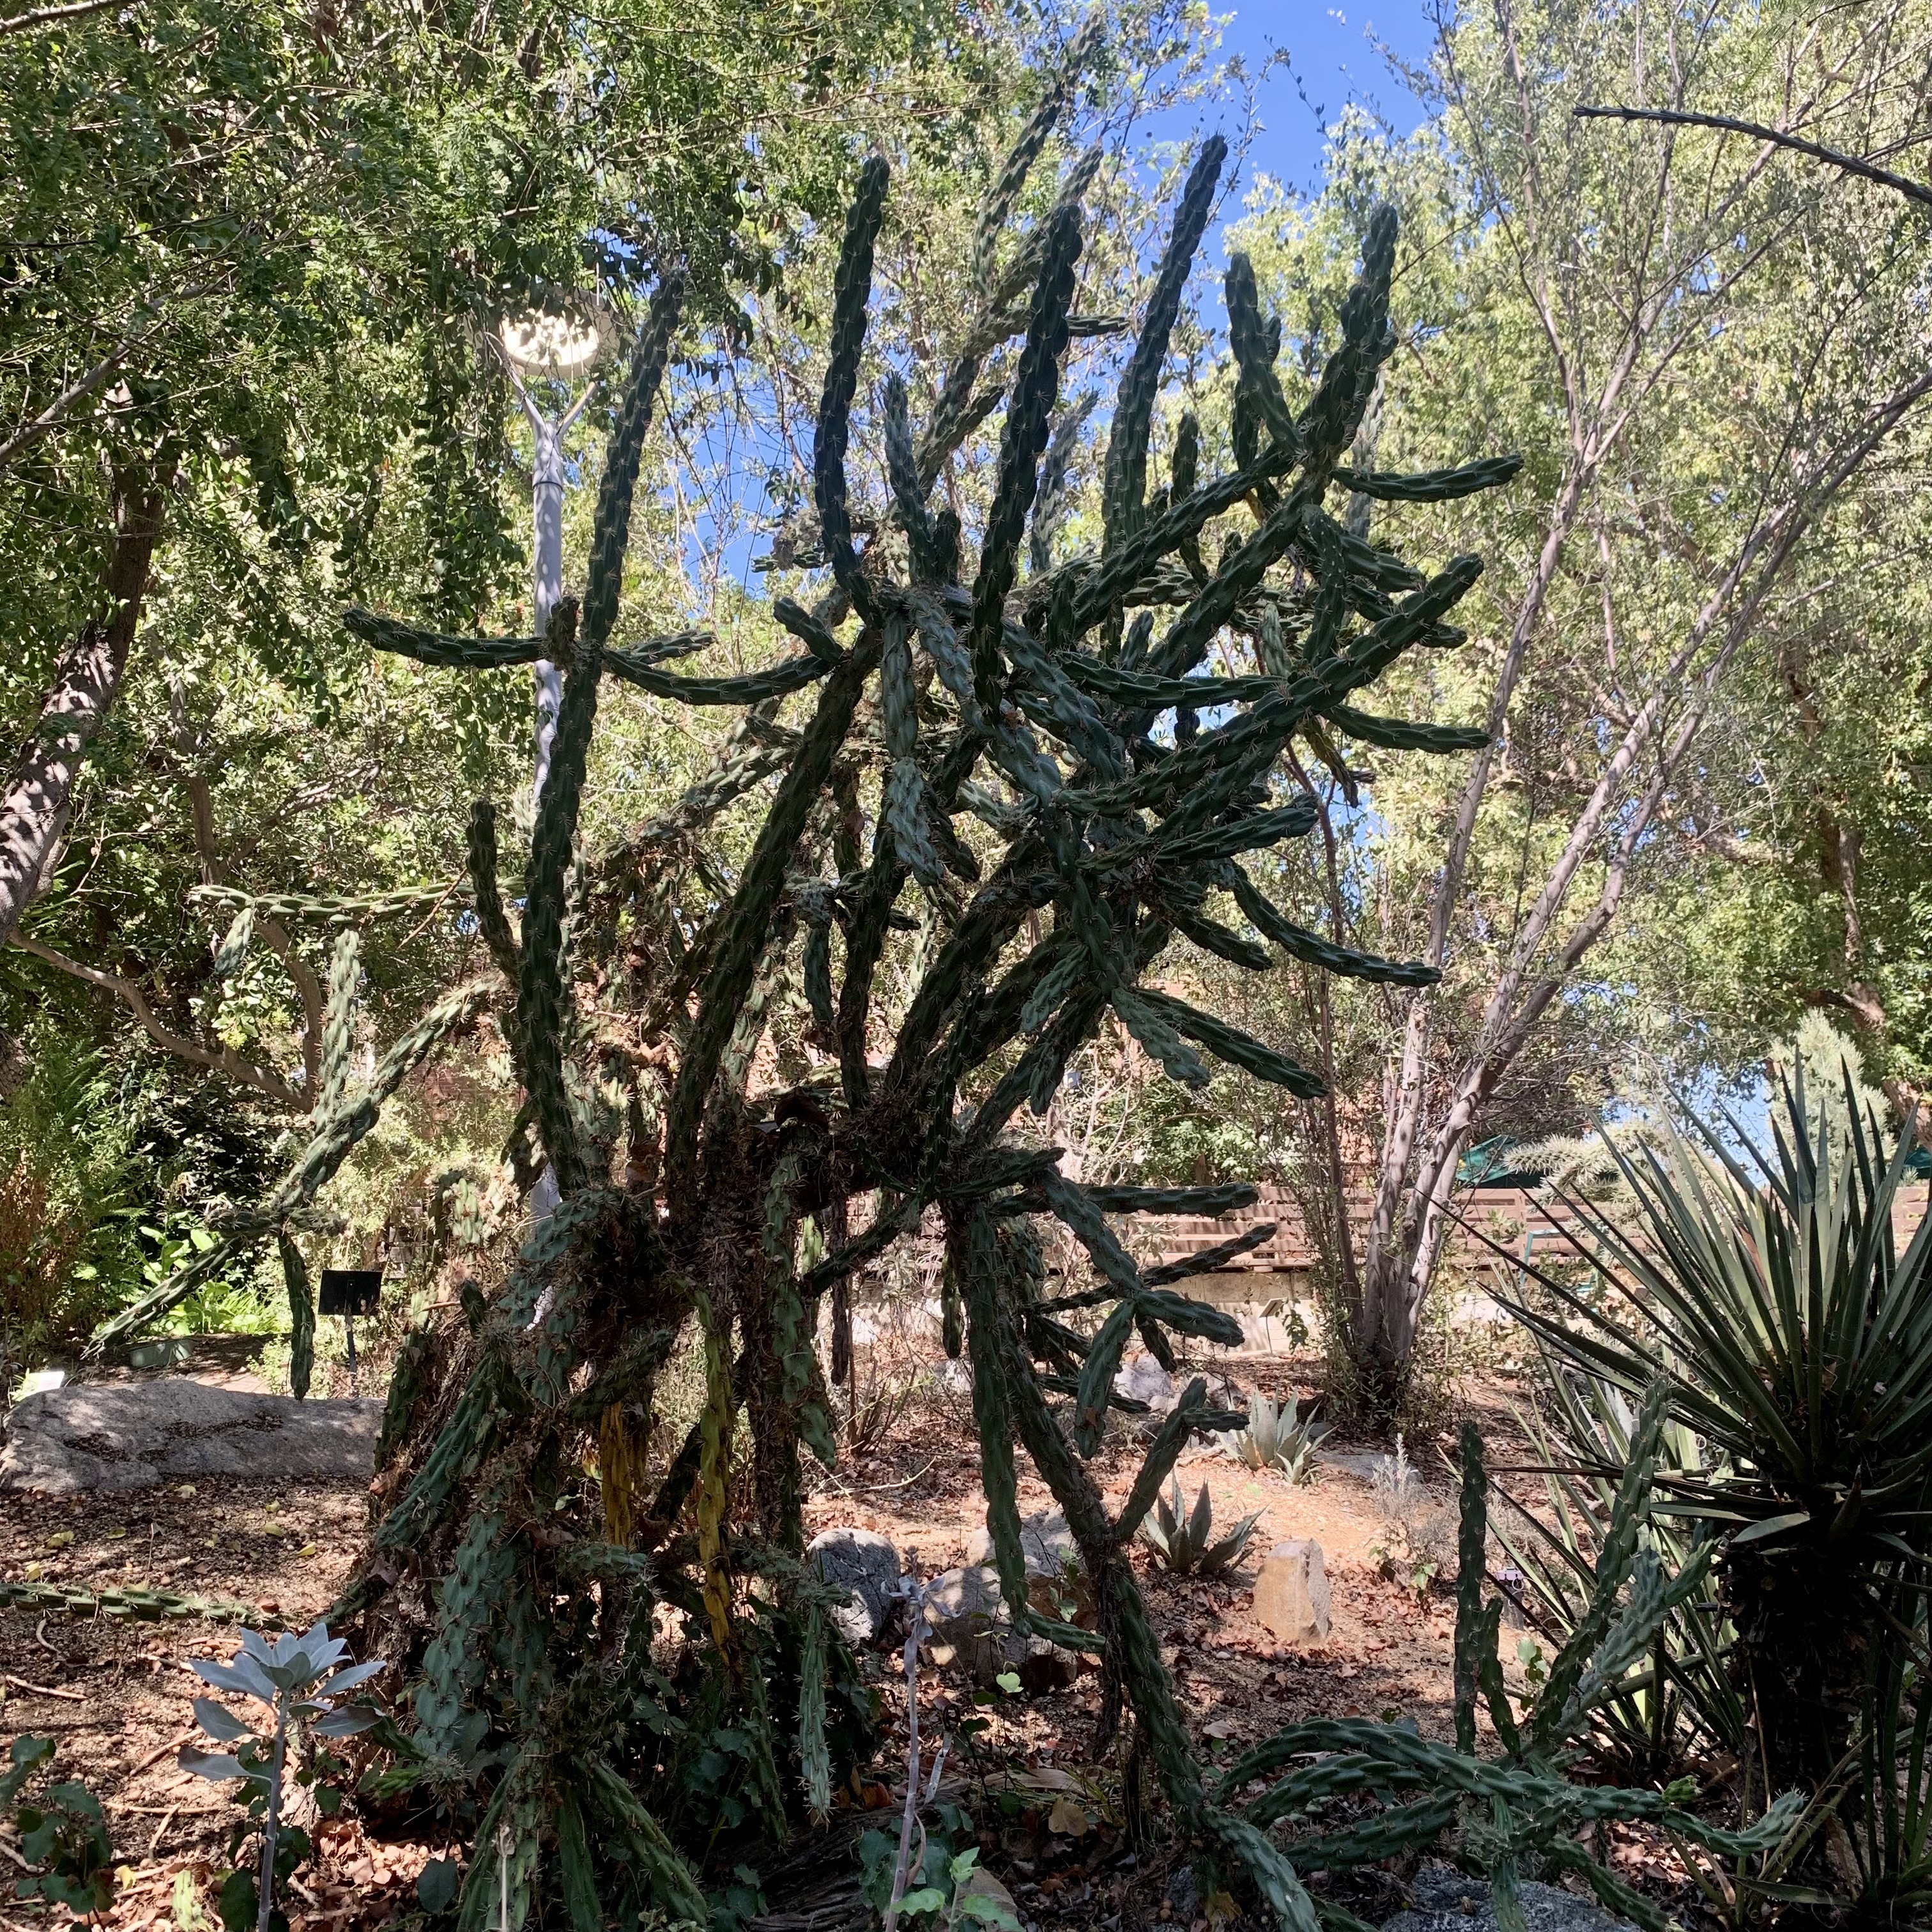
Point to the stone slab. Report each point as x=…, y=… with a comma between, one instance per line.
x=109, y=1438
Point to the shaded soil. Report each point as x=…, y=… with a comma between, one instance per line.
x=115, y=1695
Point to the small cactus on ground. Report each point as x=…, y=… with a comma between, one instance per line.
x=1179, y=1536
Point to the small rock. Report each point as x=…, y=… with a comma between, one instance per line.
x=1448, y=1901
x=866, y=1565
x=968, y=1617
x=1046, y=1668
x=1143, y=1379
x=1183, y=1894
x=1058, y=1586
x=1046, y=1540
x=1291, y=1593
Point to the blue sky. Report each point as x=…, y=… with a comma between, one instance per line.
x=1334, y=58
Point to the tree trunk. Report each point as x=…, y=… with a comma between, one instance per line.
x=40, y=793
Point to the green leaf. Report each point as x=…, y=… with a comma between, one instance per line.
x=1775, y=1525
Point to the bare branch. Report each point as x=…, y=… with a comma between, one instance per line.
x=1851, y=164
x=43, y=17
x=224, y=1059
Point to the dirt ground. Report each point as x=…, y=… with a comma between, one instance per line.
x=115, y=1695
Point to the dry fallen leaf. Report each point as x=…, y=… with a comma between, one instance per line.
x=1221, y=1910
x=1067, y=1818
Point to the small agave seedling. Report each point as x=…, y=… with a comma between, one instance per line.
x=1181, y=1542
x=1277, y=1438
x=297, y=1677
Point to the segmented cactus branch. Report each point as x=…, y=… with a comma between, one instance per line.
x=1031, y=702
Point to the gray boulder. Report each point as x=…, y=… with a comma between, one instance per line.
x=134, y=1435
x=1141, y=1378
x=1446, y=1901
x=866, y=1565
x=968, y=1617
x=1045, y=1539
x=1057, y=1579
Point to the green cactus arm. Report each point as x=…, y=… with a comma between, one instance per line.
x=852, y=290
x=1300, y=944
x=667, y=1876
x=1036, y=389
x=349, y=910
x=438, y=647
x=997, y=205
x=610, y=528
x=1390, y=1834
x=902, y=474
x=1269, y=1869
x=542, y=990
x=1255, y=346
x=1227, y=1197
x=1230, y=1044
x=1145, y=692
x=1124, y=489
x=744, y=923
x=301, y=1316
x=1208, y=1259
x=137, y=1605
x=1266, y=726
x=1210, y=935
x=975, y=1248
x=170, y=1294
x=1471, y=1566
x=1122, y=572
x=1327, y=426
x=1163, y=1453
x=809, y=630
x=338, y=1024
x=752, y=688
x=491, y=920
x=1431, y=486
x=1189, y=637
x=1397, y=734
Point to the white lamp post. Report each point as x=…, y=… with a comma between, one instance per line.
x=561, y=347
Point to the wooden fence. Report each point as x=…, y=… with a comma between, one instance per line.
x=1531, y=1227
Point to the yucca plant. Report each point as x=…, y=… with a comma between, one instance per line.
x=1277, y=1439
x=1770, y=1283
x=1179, y=1536
x=1678, y=1699
x=1003, y=729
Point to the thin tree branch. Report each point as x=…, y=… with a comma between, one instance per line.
x=42, y=16
x=1851, y=164
x=224, y=1059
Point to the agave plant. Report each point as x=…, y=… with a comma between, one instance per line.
x=1277, y=1439
x=1181, y=1540
x=1770, y=1285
